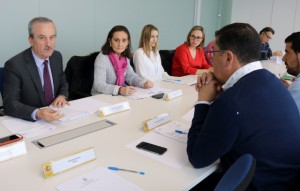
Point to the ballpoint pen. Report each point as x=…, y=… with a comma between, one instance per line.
x=180, y=132
x=126, y=170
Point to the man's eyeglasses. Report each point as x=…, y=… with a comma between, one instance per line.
x=209, y=54
x=267, y=36
x=212, y=52
x=193, y=37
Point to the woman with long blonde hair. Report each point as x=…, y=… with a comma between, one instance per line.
x=146, y=58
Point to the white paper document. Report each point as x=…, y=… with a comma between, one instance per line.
x=141, y=93
x=175, y=156
x=98, y=179
x=88, y=104
x=26, y=128
x=79, y=108
x=186, y=80
x=169, y=130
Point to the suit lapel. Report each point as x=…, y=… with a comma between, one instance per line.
x=34, y=74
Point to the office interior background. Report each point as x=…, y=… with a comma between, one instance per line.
x=83, y=25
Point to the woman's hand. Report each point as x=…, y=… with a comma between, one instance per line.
x=148, y=84
x=127, y=90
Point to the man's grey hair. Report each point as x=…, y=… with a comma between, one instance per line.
x=36, y=20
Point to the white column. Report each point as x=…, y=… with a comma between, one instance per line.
x=197, y=12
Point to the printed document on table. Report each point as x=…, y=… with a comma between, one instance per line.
x=141, y=93
x=169, y=130
x=98, y=179
x=186, y=80
x=89, y=104
x=79, y=108
x=27, y=128
x=175, y=156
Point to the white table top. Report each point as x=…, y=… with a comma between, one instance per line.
x=24, y=172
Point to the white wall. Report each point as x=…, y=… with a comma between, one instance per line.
x=281, y=15
x=82, y=25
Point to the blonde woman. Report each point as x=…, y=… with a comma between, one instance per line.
x=146, y=58
x=189, y=57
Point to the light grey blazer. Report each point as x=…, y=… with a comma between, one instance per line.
x=105, y=77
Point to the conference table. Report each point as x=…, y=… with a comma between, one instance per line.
x=24, y=172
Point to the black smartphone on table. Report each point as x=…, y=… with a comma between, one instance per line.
x=158, y=96
x=151, y=148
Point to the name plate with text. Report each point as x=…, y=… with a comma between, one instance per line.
x=156, y=121
x=12, y=150
x=112, y=109
x=52, y=168
x=173, y=94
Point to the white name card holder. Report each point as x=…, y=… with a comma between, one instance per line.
x=173, y=94
x=52, y=168
x=112, y=109
x=12, y=150
x=156, y=121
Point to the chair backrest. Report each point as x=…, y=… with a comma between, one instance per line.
x=1, y=79
x=80, y=75
x=239, y=175
x=166, y=60
x=1, y=89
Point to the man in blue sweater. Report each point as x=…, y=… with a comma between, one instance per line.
x=242, y=108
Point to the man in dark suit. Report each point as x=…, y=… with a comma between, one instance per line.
x=34, y=78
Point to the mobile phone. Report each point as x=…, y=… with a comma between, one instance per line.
x=158, y=96
x=10, y=139
x=151, y=148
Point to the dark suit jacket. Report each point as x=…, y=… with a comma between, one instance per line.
x=23, y=91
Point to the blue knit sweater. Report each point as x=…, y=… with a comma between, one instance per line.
x=257, y=116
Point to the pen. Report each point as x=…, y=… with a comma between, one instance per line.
x=180, y=132
x=121, y=169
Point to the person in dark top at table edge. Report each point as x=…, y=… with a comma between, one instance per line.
x=243, y=108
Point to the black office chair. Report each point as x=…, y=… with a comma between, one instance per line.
x=166, y=60
x=80, y=75
x=239, y=175
x=1, y=88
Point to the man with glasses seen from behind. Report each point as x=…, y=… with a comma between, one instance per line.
x=243, y=108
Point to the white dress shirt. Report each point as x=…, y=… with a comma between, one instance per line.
x=294, y=89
